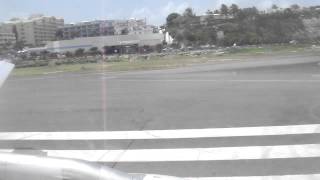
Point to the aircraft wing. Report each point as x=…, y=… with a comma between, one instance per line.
x=5, y=69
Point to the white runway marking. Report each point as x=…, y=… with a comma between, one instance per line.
x=226, y=80
x=54, y=72
x=191, y=154
x=284, y=177
x=164, y=134
x=108, y=77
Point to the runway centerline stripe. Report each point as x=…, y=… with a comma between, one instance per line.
x=191, y=154
x=225, y=80
x=164, y=134
x=284, y=177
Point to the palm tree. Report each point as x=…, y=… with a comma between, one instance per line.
x=224, y=10
x=68, y=54
x=209, y=12
x=94, y=51
x=274, y=7
x=19, y=45
x=189, y=12
x=125, y=31
x=79, y=52
x=234, y=9
x=59, y=34
x=44, y=54
x=295, y=7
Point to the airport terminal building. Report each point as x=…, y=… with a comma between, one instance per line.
x=125, y=44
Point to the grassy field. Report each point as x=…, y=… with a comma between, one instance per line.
x=124, y=65
x=169, y=61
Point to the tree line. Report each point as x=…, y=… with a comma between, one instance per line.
x=241, y=26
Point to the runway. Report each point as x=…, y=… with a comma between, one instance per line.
x=208, y=122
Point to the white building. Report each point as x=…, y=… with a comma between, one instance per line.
x=133, y=26
x=105, y=28
x=7, y=38
x=86, y=29
x=35, y=30
x=111, y=44
x=168, y=39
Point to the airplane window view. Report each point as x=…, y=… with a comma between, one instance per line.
x=159, y=90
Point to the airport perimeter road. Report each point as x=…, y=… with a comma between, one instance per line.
x=236, y=120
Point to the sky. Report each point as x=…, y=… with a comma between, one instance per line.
x=155, y=11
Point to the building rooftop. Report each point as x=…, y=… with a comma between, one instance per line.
x=30, y=19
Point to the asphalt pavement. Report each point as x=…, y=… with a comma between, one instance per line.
x=270, y=93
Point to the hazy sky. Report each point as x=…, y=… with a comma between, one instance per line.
x=154, y=11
